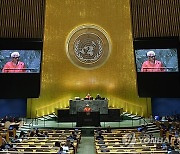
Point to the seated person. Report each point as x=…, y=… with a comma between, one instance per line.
x=69, y=143
x=22, y=134
x=88, y=97
x=16, y=140
x=98, y=130
x=87, y=108
x=65, y=147
x=173, y=151
x=108, y=129
x=61, y=151
x=98, y=97
x=105, y=150
x=101, y=141
x=57, y=146
x=99, y=137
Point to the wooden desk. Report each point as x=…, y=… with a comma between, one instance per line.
x=96, y=106
x=0, y=140
x=129, y=152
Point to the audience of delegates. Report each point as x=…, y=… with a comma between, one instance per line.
x=169, y=130
x=172, y=118
x=10, y=119
x=6, y=146
x=63, y=147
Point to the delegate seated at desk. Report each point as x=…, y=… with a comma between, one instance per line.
x=98, y=97
x=88, y=97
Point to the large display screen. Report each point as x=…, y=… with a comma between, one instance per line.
x=157, y=67
x=156, y=60
x=20, y=67
x=20, y=61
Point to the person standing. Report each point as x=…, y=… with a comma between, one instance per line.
x=87, y=109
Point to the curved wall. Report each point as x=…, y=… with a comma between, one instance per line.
x=61, y=80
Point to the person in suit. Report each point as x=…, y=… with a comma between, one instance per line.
x=98, y=97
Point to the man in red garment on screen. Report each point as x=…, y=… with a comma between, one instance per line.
x=152, y=65
x=87, y=109
x=14, y=66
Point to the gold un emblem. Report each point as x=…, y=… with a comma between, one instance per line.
x=88, y=46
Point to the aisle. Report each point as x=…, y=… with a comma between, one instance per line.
x=86, y=146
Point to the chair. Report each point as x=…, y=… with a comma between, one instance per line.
x=133, y=151
x=117, y=145
x=166, y=123
x=146, y=149
x=49, y=141
x=105, y=150
x=158, y=124
x=110, y=138
x=110, y=135
x=28, y=150
x=66, y=131
x=44, y=145
x=55, y=135
x=62, y=138
x=46, y=150
x=32, y=145
x=120, y=150
x=7, y=124
x=21, y=123
x=118, y=135
x=150, y=144
x=39, y=150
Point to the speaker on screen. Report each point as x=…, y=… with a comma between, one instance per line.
x=20, y=67
x=157, y=66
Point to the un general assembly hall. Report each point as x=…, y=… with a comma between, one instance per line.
x=90, y=76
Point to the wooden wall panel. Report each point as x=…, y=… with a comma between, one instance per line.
x=22, y=18
x=155, y=18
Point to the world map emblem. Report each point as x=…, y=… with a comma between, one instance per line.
x=88, y=46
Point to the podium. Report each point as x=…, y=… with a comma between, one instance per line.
x=88, y=119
